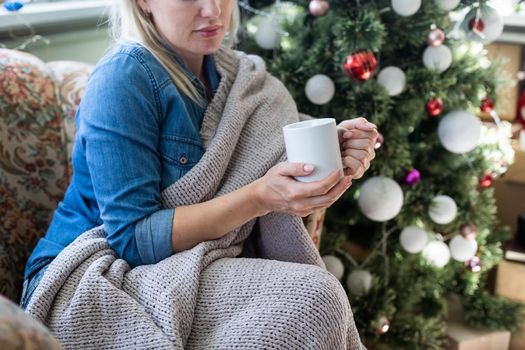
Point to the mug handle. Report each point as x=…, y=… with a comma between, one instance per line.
x=340, y=132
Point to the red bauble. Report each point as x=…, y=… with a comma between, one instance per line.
x=435, y=37
x=476, y=24
x=360, y=65
x=469, y=231
x=487, y=105
x=434, y=107
x=318, y=8
x=486, y=181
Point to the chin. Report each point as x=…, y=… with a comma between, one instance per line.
x=210, y=49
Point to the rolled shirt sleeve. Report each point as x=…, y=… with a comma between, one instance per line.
x=153, y=236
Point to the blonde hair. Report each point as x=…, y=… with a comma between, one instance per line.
x=128, y=22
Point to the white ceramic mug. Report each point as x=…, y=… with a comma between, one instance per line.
x=314, y=142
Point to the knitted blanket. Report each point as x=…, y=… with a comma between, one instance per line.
x=260, y=286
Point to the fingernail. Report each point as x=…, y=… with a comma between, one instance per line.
x=308, y=167
x=347, y=135
x=370, y=125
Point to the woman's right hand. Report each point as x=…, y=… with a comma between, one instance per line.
x=278, y=191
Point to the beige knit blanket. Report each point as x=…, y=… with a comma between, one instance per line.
x=276, y=296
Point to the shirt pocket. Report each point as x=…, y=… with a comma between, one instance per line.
x=178, y=155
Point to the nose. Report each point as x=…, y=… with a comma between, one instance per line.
x=211, y=8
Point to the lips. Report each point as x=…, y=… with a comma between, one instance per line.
x=209, y=29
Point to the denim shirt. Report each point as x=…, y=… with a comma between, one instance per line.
x=135, y=135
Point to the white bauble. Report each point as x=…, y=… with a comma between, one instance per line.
x=447, y=5
x=359, y=282
x=380, y=198
x=392, y=79
x=443, y=210
x=267, y=35
x=462, y=248
x=492, y=25
x=334, y=266
x=413, y=239
x=437, y=253
x=406, y=7
x=459, y=131
x=437, y=58
x=320, y=89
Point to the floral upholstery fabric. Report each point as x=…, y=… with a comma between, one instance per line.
x=21, y=331
x=34, y=167
x=38, y=103
x=73, y=77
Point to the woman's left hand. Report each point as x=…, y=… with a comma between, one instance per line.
x=357, y=146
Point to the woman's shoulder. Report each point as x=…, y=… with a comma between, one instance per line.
x=127, y=52
x=125, y=70
x=129, y=62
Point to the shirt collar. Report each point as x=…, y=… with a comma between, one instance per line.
x=210, y=72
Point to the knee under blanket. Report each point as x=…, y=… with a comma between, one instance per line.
x=209, y=297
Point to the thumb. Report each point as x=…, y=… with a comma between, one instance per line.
x=296, y=169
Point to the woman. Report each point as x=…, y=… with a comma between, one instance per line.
x=178, y=171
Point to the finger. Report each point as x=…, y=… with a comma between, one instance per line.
x=318, y=188
x=294, y=169
x=335, y=193
x=341, y=188
x=358, y=144
x=358, y=123
x=359, y=174
x=355, y=174
x=361, y=134
x=325, y=200
x=340, y=132
x=356, y=154
x=356, y=166
x=369, y=152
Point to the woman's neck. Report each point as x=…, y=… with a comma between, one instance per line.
x=193, y=61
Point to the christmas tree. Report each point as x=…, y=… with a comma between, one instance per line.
x=420, y=225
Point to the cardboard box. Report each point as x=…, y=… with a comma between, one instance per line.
x=461, y=337
x=507, y=95
x=510, y=283
x=509, y=191
x=510, y=280
x=517, y=340
x=455, y=311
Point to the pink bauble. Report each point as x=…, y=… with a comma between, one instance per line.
x=319, y=8
x=435, y=37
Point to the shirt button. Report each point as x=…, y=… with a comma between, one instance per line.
x=183, y=160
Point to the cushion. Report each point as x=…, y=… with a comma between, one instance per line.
x=33, y=161
x=20, y=331
x=71, y=78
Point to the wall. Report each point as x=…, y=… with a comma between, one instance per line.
x=85, y=45
x=510, y=55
